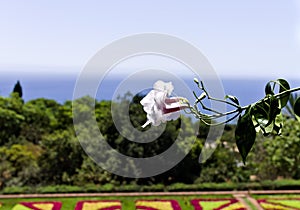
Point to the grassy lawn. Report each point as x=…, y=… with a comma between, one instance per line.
x=262, y=196
x=127, y=202
x=250, y=204
x=287, y=201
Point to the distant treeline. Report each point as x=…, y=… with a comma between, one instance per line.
x=38, y=147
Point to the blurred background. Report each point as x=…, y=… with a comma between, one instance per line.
x=45, y=44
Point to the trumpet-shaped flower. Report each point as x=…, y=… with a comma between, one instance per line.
x=159, y=106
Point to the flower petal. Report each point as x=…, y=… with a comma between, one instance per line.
x=166, y=87
x=158, y=106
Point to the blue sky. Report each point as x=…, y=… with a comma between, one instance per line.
x=241, y=39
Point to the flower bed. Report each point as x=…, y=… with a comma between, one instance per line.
x=157, y=205
x=217, y=204
x=291, y=203
x=280, y=203
x=99, y=205
x=38, y=206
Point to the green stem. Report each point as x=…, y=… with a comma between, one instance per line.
x=238, y=110
x=276, y=95
x=216, y=99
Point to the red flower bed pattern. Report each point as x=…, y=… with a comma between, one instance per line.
x=217, y=204
x=157, y=205
x=280, y=203
x=99, y=205
x=38, y=206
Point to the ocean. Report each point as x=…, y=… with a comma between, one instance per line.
x=61, y=88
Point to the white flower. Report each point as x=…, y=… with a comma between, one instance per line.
x=159, y=107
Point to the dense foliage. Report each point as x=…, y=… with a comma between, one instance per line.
x=38, y=147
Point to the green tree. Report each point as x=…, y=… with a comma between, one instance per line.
x=10, y=118
x=62, y=155
x=41, y=117
x=279, y=155
x=223, y=164
x=91, y=173
x=18, y=89
x=180, y=132
x=18, y=165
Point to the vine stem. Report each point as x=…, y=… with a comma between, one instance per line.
x=239, y=109
x=276, y=95
x=216, y=99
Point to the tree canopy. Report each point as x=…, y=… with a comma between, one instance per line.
x=38, y=146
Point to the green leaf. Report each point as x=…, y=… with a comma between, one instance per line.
x=278, y=124
x=260, y=112
x=233, y=99
x=256, y=125
x=245, y=134
x=268, y=89
x=260, y=116
x=297, y=107
x=274, y=109
x=268, y=129
x=284, y=86
x=264, y=115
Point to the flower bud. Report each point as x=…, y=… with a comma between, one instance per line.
x=202, y=96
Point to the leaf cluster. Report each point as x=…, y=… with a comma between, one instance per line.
x=263, y=116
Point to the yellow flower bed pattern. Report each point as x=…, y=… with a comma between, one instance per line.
x=99, y=205
x=38, y=206
x=217, y=204
x=280, y=203
x=157, y=205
